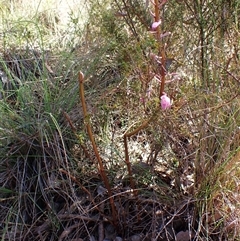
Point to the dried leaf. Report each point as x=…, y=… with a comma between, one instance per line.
x=101, y=190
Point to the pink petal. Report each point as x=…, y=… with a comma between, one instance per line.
x=165, y=102
x=156, y=24
x=155, y=57
x=162, y=3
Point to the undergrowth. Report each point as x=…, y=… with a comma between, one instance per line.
x=154, y=153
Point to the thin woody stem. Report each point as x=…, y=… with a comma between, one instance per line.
x=144, y=124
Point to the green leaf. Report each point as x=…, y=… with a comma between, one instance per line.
x=5, y=190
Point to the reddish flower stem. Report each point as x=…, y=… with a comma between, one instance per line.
x=91, y=137
x=161, y=49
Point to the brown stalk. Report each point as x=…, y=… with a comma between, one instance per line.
x=91, y=137
x=161, y=49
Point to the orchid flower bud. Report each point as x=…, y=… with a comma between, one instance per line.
x=156, y=24
x=165, y=102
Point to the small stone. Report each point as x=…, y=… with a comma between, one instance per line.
x=183, y=236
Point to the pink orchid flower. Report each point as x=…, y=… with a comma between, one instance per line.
x=156, y=24
x=165, y=102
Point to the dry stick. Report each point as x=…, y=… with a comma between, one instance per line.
x=100, y=163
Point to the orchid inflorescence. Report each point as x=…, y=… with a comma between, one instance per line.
x=164, y=99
